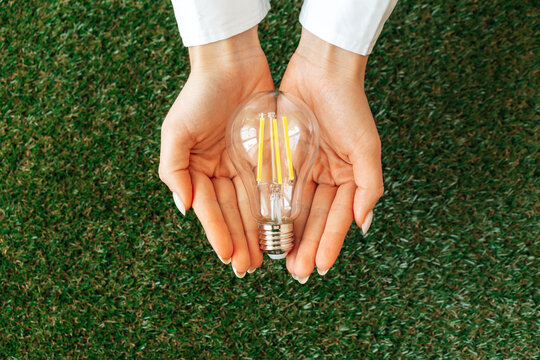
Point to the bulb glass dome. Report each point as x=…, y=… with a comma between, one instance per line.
x=272, y=140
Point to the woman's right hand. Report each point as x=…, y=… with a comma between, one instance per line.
x=193, y=160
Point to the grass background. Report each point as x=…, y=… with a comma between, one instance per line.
x=95, y=261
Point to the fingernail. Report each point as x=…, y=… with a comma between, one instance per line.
x=303, y=280
x=251, y=271
x=238, y=275
x=226, y=262
x=179, y=204
x=322, y=272
x=294, y=277
x=367, y=222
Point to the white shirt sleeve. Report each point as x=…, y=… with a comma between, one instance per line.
x=353, y=25
x=204, y=21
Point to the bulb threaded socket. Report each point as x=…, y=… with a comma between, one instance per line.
x=276, y=239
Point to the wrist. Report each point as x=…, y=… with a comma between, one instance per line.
x=230, y=53
x=331, y=58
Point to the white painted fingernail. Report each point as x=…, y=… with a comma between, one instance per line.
x=322, y=272
x=367, y=222
x=303, y=280
x=251, y=271
x=294, y=277
x=179, y=204
x=238, y=275
x=227, y=262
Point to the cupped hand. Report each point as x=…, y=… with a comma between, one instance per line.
x=193, y=161
x=346, y=179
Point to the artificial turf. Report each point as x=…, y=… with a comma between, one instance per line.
x=95, y=261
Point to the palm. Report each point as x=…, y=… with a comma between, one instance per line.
x=210, y=108
x=207, y=129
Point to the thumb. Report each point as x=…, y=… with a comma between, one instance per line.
x=367, y=170
x=174, y=163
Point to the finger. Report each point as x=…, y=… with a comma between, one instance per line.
x=174, y=161
x=305, y=208
x=206, y=206
x=305, y=258
x=300, y=223
x=367, y=171
x=337, y=225
x=251, y=229
x=226, y=196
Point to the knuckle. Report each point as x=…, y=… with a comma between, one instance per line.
x=227, y=205
x=319, y=211
x=342, y=207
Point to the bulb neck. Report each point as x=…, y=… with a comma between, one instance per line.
x=276, y=239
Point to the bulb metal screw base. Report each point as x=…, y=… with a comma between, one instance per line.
x=276, y=239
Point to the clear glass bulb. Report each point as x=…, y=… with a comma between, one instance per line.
x=272, y=140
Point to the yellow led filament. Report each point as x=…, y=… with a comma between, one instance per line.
x=276, y=150
x=288, y=147
x=274, y=145
x=261, y=140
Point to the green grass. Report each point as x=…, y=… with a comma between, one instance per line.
x=95, y=261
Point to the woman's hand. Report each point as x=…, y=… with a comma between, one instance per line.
x=347, y=176
x=194, y=163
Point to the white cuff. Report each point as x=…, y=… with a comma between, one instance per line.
x=353, y=25
x=204, y=21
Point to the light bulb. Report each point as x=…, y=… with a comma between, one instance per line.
x=272, y=141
